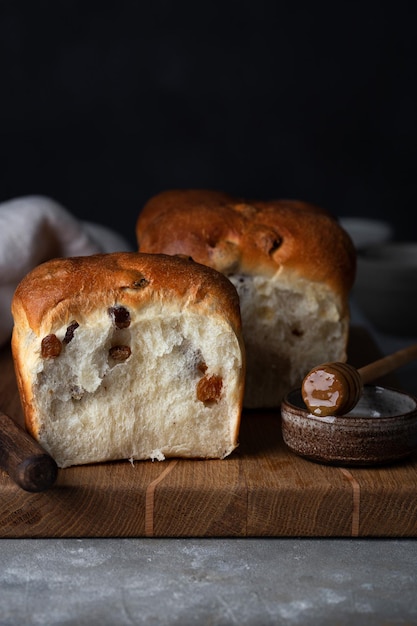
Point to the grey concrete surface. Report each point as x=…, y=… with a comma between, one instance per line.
x=213, y=582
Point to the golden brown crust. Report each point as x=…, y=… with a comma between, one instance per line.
x=64, y=289
x=254, y=237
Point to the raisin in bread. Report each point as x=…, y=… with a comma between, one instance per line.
x=292, y=264
x=129, y=356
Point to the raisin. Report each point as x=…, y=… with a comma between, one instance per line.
x=202, y=367
x=120, y=315
x=275, y=244
x=209, y=389
x=50, y=347
x=69, y=335
x=120, y=353
x=141, y=283
x=267, y=240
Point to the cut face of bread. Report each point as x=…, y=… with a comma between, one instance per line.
x=289, y=327
x=145, y=391
x=130, y=367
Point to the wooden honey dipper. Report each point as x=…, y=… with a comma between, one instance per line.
x=335, y=388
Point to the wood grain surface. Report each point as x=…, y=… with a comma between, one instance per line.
x=261, y=490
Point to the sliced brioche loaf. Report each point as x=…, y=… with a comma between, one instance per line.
x=129, y=356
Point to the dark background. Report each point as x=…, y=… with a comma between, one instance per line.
x=103, y=105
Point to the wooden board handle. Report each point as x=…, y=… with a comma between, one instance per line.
x=24, y=459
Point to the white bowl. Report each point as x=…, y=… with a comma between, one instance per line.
x=385, y=289
x=365, y=231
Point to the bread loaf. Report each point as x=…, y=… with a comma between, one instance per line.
x=292, y=264
x=129, y=356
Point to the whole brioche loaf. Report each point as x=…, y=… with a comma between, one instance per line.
x=129, y=356
x=292, y=264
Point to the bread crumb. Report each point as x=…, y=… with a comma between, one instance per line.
x=157, y=455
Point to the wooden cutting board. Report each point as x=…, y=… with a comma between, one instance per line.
x=261, y=490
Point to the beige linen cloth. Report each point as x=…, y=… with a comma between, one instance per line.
x=34, y=229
